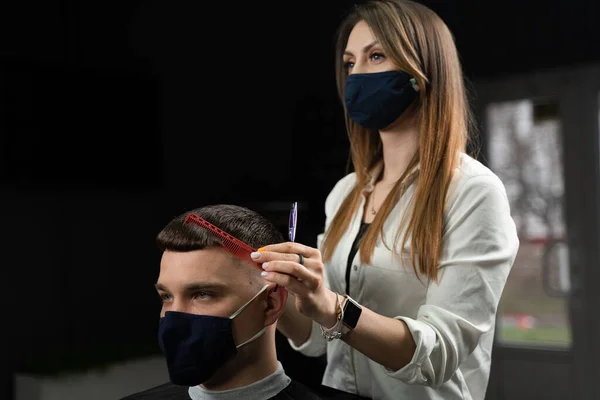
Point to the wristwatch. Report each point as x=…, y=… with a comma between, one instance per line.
x=351, y=314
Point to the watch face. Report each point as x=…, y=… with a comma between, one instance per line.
x=351, y=313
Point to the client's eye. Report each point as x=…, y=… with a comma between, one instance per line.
x=165, y=297
x=201, y=295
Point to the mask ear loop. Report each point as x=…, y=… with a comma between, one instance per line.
x=253, y=338
x=235, y=314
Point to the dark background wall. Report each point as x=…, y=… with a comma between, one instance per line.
x=117, y=116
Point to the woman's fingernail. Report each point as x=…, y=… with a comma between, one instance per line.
x=264, y=273
x=265, y=265
x=255, y=255
x=261, y=249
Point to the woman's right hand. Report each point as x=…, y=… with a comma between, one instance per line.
x=300, y=269
x=312, y=300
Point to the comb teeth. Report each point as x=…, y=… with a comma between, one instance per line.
x=232, y=244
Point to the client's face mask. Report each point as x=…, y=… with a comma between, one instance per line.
x=375, y=100
x=196, y=346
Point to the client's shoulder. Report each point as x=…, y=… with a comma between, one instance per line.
x=168, y=391
x=298, y=391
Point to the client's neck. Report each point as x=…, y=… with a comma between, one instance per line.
x=253, y=362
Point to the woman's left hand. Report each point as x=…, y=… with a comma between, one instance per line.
x=303, y=276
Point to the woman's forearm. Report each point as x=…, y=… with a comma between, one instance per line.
x=386, y=341
x=294, y=325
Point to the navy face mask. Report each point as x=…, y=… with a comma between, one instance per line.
x=375, y=100
x=196, y=346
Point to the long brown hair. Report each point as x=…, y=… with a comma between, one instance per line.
x=418, y=42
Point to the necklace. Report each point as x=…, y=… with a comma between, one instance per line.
x=401, y=188
x=373, y=211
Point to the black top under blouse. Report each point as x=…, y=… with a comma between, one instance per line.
x=361, y=232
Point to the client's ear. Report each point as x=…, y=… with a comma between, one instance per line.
x=275, y=303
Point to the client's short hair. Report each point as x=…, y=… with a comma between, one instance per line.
x=246, y=225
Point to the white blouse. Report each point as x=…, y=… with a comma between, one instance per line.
x=452, y=321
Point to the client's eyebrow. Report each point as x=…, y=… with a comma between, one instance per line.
x=195, y=286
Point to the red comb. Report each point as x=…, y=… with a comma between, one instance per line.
x=230, y=242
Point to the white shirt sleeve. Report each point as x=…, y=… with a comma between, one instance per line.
x=315, y=346
x=479, y=247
